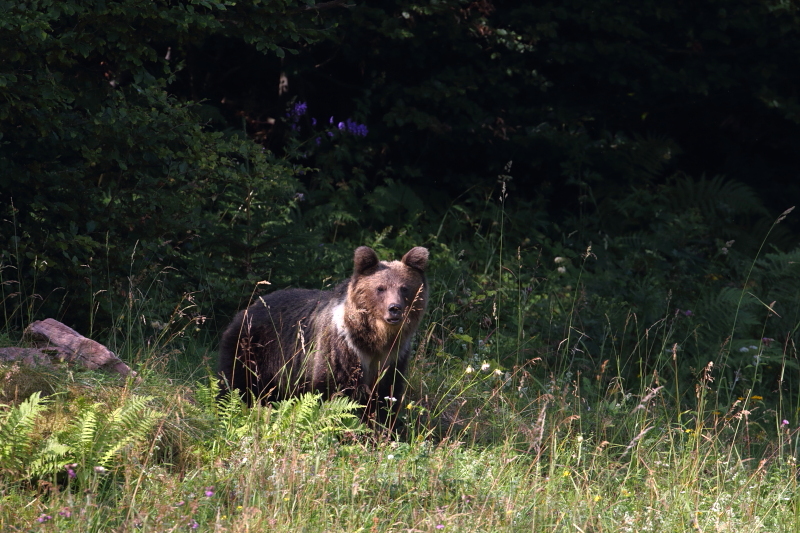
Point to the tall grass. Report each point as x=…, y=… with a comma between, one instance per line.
x=502, y=432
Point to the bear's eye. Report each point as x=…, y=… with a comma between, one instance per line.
x=403, y=290
x=381, y=289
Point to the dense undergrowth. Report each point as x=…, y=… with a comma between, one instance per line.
x=611, y=343
x=542, y=395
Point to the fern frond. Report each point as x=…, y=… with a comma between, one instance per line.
x=16, y=432
x=49, y=459
x=717, y=196
x=306, y=418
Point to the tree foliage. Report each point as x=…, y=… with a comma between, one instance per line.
x=105, y=175
x=627, y=158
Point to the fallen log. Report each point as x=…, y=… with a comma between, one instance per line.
x=53, y=341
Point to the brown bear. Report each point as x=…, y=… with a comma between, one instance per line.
x=354, y=339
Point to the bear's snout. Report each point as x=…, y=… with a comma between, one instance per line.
x=395, y=313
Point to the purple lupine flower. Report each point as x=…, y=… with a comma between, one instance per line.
x=340, y=125
x=313, y=122
x=330, y=121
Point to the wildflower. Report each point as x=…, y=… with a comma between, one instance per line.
x=767, y=341
x=485, y=367
x=744, y=349
x=390, y=399
x=318, y=140
x=44, y=518
x=566, y=473
x=785, y=422
x=559, y=260
x=330, y=121
x=66, y=513
x=688, y=312
x=300, y=109
x=439, y=526
x=562, y=270
x=597, y=497
x=498, y=372
x=469, y=370
x=209, y=492
x=390, y=456
x=193, y=524
x=313, y=122
x=71, y=470
x=100, y=469
x=340, y=125
x=756, y=398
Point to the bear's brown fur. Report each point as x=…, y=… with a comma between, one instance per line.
x=354, y=339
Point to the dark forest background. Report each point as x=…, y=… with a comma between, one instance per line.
x=579, y=170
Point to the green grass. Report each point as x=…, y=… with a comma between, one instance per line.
x=484, y=452
x=516, y=419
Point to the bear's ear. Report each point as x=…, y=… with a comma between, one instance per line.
x=364, y=259
x=416, y=257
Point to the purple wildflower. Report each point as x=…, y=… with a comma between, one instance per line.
x=340, y=125
x=318, y=140
x=193, y=524
x=785, y=423
x=44, y=518
x=300, y=109
x=688, y=313
x=439, y=526
x=66, y=513
x=313, y=122
x=209, y=492
x=330, y=121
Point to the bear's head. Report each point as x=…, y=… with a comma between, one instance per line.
x=389, y=295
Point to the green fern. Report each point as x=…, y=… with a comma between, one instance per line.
x=49, y=458
x=719, y=311
x=100, y=440
x=716, y=196
x=778, y=277
x=17, y=427
x=306, y=418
